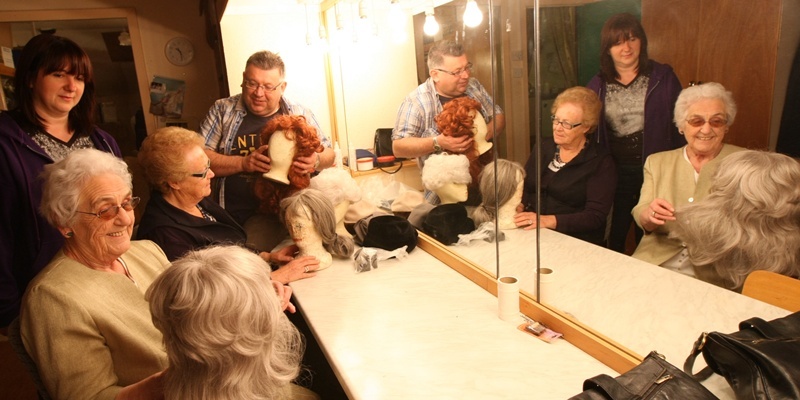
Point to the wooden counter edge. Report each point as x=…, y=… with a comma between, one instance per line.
x=593, y=343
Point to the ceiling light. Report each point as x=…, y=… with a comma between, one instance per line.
x=472, y=14
x=124, y=38
x=431, y=27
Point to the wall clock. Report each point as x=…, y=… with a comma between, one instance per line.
x=179, y=51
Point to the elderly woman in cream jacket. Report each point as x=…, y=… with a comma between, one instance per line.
x=703, y=114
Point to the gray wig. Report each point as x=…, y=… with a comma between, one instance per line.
x=338, y=184
x=508, y=174
x=64, y=182
x=749, y=221
x=322, y=213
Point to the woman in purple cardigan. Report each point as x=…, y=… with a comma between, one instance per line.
x=638, y=96
x=54, y=116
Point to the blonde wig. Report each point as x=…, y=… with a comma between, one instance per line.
x=457, y=119
x=508, y=174
x=441, y=169
x=295, y=128
x=322, y=213
x=749, y=221
x=587, y=100
x=163, y=156
x=217, y=350
x=64, y=182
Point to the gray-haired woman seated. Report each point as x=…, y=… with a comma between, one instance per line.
x=216, y=351
x=749, y=221
x=84, y=319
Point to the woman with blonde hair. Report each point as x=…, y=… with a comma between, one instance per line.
x=215, y=351
x=578, y=176
x=749, y=221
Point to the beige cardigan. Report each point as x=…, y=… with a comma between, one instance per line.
x=668, y=176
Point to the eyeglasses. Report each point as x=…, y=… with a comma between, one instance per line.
x=715, y=122
x=202, y=175
x=458, y=72
x=111, y=212
x=564, y=124
x=254, y=86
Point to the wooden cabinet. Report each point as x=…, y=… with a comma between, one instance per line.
x=733, y=42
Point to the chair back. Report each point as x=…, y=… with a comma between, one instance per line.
x=773, y=288
x=15, y=339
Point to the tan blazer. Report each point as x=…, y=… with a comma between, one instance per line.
x=668, y=176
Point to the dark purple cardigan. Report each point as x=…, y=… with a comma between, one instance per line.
x=27, y=241
x=660, y=132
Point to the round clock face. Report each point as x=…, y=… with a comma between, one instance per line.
x=179, y=51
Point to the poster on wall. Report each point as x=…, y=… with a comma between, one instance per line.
x=166, y=97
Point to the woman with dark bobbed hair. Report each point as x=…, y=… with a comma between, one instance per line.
x=638, y=95
x=53, y=116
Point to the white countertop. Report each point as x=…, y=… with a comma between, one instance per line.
x=639, y=305
x=417, y=329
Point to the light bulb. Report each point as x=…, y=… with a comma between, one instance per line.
x=431, y=27
x=472, y=14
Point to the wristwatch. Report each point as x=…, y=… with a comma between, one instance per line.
x=316, y=164
x=436, y=147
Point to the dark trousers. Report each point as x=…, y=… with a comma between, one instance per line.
x=629, y=186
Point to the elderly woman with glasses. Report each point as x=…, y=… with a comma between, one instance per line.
x=578, y=177
x=84, y=319
x=703, y=114
x=180, y=216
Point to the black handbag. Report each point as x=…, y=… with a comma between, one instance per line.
x=654, y=378
x=761, y=361
x=383, y=147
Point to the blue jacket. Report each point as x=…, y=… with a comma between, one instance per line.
x=27, y=241
x=660, y=132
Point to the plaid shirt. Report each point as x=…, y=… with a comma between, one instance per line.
x=226, y=115
x=415, y=118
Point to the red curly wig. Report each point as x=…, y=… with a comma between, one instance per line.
x=457, y=119
x=294, y=127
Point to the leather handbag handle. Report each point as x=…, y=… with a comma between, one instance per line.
x=763, y=327
x=688, y=366
x=607, y=386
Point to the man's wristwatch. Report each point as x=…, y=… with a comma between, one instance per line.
x=436, y=147
x=316, y=164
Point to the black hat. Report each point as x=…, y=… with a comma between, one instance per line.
x=388, y=232
x=445, y=222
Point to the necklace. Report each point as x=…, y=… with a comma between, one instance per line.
x=127, y=273
x=557, y=163
x=206, y=215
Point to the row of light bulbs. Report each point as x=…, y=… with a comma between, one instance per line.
x=472, y=18
x=397, y=16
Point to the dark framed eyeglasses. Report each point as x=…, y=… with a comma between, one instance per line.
x=202, y=175
x=564, y=124
x=111, y=212
x=254, y=86
x=715, y=122
x=458, y=72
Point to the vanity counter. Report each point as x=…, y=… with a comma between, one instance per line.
x=641, y=306
x=417, y=329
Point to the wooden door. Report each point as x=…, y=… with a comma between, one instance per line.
x=733, y=42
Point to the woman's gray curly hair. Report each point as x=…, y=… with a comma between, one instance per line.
x=322, y=213
x=215, y=351
x=749, y=221
x=64, y=182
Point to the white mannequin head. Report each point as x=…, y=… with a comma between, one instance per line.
x=447, y=175
x=480, y=129
x=281, y=153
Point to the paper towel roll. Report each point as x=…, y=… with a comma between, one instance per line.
x=508, y=298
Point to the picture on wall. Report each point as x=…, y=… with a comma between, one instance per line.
x=7, y=101
x=166, y=97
